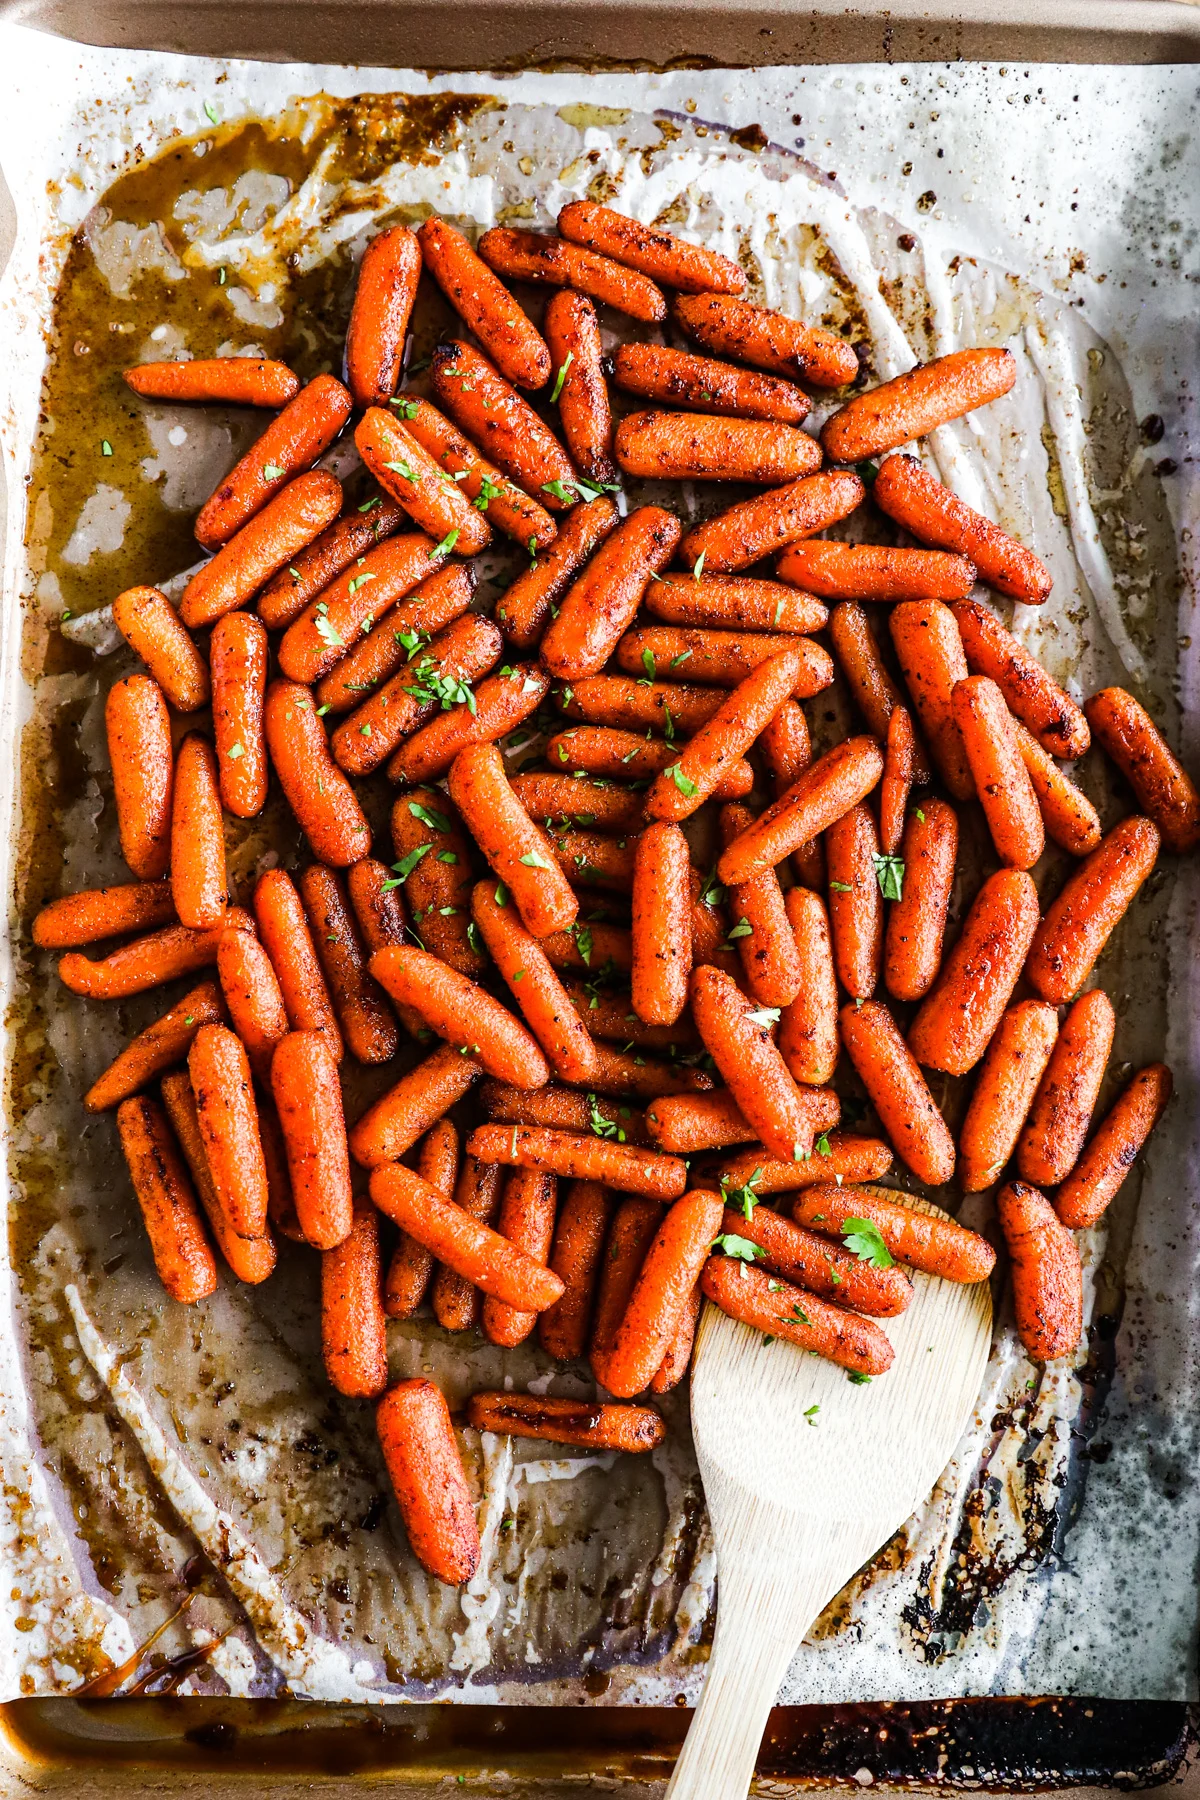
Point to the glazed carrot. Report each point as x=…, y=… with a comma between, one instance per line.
x=1164, y=789
x=289, y=446
x=169, y=1210
x=435, y=864
x=405, y=470
x=624, y=704
x=1008, y=1078
x=898, y=1091
x=824, y=793
x=1047, y=1277
x=1097, y=1177
x=526, y=1218
x=285, y=597
x=286, y=939
x=591, y=1425
x=252, y=993
x=523, y=609
x=594, y=805
x=613, y=755
x=998, y=771
x=916, y=924
x=626, y=1167
x=1057, y=1126
x=535, y=256
x=787, y=751
x=228, y=1115
x=1067, y=814
x=1030, y=693
x=682, y=1124
x=660, y=1295
x=97, y=913
x=898, y=758
x=468, y=1247
x=962, y=1010
x=485, y=305
x=514, y=846
x=319, y=795
x=405, y=1112
x=710, y=928
x=664, y=257
x=1081, y=920
x=199, y=883
x=308, y=1095
x=380, y=911
x=426, y=1472
x=396, y=644
x=769, y=340
x=722, y=657
x=160, y=1046
x=932, y=661
x=281, y=1204
x=238, y=658
x=779, y=1310
x=347, y=609
x=665, y=446
x=367, y=1024
x=662, y=934
x=747, y=1058
x=535, y=987
x=220, y=380
x=487, y=488
x=813, y=1263
x=922, y=1241
x=912, y=405
x=603, y=600
x=250, y=1259
x=575, y=1257
x=383, y=301
x=586, y=856
x=808, y=1031
x=756, y=527
x=411, y=1268
x=855, y=901
x=501, y=704
x=147, y=962
x=459, y=1011
x=609, y=1013
x=634, y=1226
x=353, y=1323
x=563, y=1110
x=738, y=602
x=268, y=542
x=150, y=626
x=875, y=572
x=852, y=1158
x=771, y=968
x=576, y=353
x=458, y=1303
x=503, y=424
x=935, y=516
x=138, y=730
x=626, y=1074
x=872, y=688
x=703, y=385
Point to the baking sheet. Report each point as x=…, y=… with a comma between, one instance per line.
x=1046, y=209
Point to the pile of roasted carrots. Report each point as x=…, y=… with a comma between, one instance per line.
x=627, y=977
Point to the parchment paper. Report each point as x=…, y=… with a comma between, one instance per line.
x=1049, y=209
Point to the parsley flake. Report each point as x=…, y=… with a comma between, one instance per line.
x=863, y=1239
x=889, y=873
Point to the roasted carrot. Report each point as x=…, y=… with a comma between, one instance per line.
x=897, y=1090
x=253, y=995
x=610, y=1014
x=1008, y=1078
x=872, y=688
x=225, y=1104
x=912, y=405
x=514, y=846
x=932, y=661
x=769, y=340
x=710, y=928
x=756, y=527
x=626, y=1167
x=380, y=911
x=199, y=883
x=485, y=305
x=289, y=446
x=138, y=729
x=169, y=1209
x=740, y=1044
x=285, y=597
x=1047, y=1277
x=660, y=1295
x=536, y=256
x=526, y=1218
x=787, y=751
x=1097, y=1177
x=1057, y=1126
x=160, y=1046
x=458, y=1303
x=898, y=759
x=935, y=1246
x=916, y=924
x=500, y=704
x=405, y=1112
x=808, y=1029
x=147, y=962
x=396, y=644
x=287, y=941
x=855, y=901
x=662, y=930
x=366, y=1020
x=308, y=1096
x=411, y=1268
x=425, y=1469
x=250, y=1259
x=1163, y=788
x=345, y=611
x=523, y=609
x=268, y=542
x=563, y=1109
x=824, y=793
x=936, y=516
x=1067, y=814
x=684, y=1123
x=671, y=260
x=722, y=657
x=850, y=1158
x=634, y=1226
x=624, y=704
x=875, y=572
x=626, y=756
x=998, y=771
x=587, y=856
x=353, y=1324
x=488, y=489
x=435, y=867
x=405, y=470
x=462, y=1013
x=1089, y=908
x=771, y=969
x=1030, y=693
x=738, y=602
x=666, y=446
x=576, y=352
x=963, y=1008
x=219, y=380
x=319, y=795
x=703, y=385
x=96, y=913
x=632, y=1074
x=535, y=987
x=813, y=1263
x=565, y=800
x=588, y=1424
x=150, y=626
x=383, y=301
x=472, y=1249
x=778, y=1310
x=503, y=424
x=238, y=658
x=603, y=600
x=281, y=1203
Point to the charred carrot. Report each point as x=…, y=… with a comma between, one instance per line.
x=535, y=987
x=916, y=925
x=536, y=256
x=1067, y=814
x=252, y=993
x=813, y=1263
x=268, y=542
x=661, y=255
x=503, y=424
x=932, y=661
x=808, y=1028
x=285, y=597
x=736, y=602
x=138, y=730
x=723, y=657
x=147, y=962
x=383, y=301
x=665, y=446
x=702, y=384
x=1096, y=1179
x=998, y=771
x=899, y=757
x=768, y=522
x=308, y=1095
x=824, y=793
x=287, y=941
x=855, y=900
x=440, y=675
x=963, y=1008
x=405, y=470
x=500, y=705
x=1057, y=1126
x=738, y=1040
x=1047, y=1277
x=160, y=1046
x=225, y=1105
x=96, y=913
x=778, y=1310
x=353, y=1323
x=396, y=642
x=488, y=489
x=250, y=1259
x=563, y=1110
x=526, y=1218
x=876, y=572
x=238, y=658
x=1163, y=787
x=514, y=846
x=593, y=805
x=425, y=1469
x=459, y=1011
x=662, y=935
x=419, y=1099
x=576, y=352
x=935, y=516
x=347, y=609
x=169, y=1209
x=589, y=1425
x=1089, y=908
x=623, y=704
x=846, y=1156
x=935, y=1246
x=465, y=1245
x=219, y=380
x=367, y=1024
x=911, y=406
x=288, y=447
x=634, y=1225
x=626, y=1167
x=625, y=756
x=897, y=1090
x=411, y=1268
x=603, y=600
x=766, y=947
x=319, y=795
x=660, y=1295
x=457, y=1302
x=1030, y=693
x=199, y=883
x=523, y=609
x=769, y=340
x=872, y=688
x=677, y=1359
x=435, y=867
x=150, y=626
x=485, y=305
x=1008, y=1078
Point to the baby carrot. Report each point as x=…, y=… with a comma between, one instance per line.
x=875, y=572
x=405, y=1112
x=425, y=1469
x=514, y=846
x=1047, y=1277
x=756, y=527
x=150, y=626
x=778, y=1310
x=678, y=1355
x=724, y=657
x=395, y=647
x=739, y=602
x=265, y=544
x=308, y=1095
x=353, y=1324
x=465, y=1245
x=1008, y=1077
x=855, y=901
x=787, y=751
x=459, y=1011
x=603, y=600
x=626, y=1167
x=813, y=1263
x=624, y=704
x=487, y=488
x=1089, y=908
x=962, y=1010
x=238, y=657
x=769, y=340
x=250, y=1259
x=609, y=1014
x=770, y=962
x=660, y=1295
x=916, y=924
x=228, y=1116
x=625, y=756
x=405, y=470
x=1163, y=788
x=664, y=257
x=563, y=1110
x=631, y=1074
x=252, y=993
x=935, y=516
x=1097, y=1177
x=170, y=1212
x=285, y=597
x=931, y=659
x=435, y=866
x=594, y=805
x=485, y=305
x=199, y=884
x=710, y=929
x=291, y=444
x=588, y=1424
x=411, y=1268
x=138, y=730
x=524, y=607
x=702, y=384
x=850, y=1158
x=319, y=795
x=1058, y=1121
x=573, y=336
x=912, y=405
x=457, y=1303
x=500, y=705
x=336, y=620
x=587, y=856
x=684, y=1123
x=286, y=939
x=824, y=793
x=96, y=913
x=898, y=758
x=897, y=1090
x=662, y=924
x=933, y=1245
x=147, y=962
x=219, y=380
x=380, y=912
x=535, y=987
x=667, y=446
x=503, y=424
x=536, y=256
x=872, y=688
x=160, y=1046
x=808, y=1027
x=741, y=1046
x=383, y=301
x=525, y=1218
x=1067, y=814
x=998, y=771
x=367, y=1024
x=1029, y=692
x=634, y=1225
x=281, y=1203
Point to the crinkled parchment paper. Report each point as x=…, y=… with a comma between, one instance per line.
x=1049, y=209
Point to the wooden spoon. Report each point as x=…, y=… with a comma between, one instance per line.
x=806, y=1476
